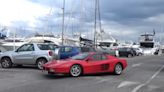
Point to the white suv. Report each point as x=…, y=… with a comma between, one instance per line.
x=28, y=54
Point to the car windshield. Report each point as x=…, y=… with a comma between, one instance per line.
x=80, y=56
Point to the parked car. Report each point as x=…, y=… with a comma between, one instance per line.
x=86, y=63
x=156, y=52
x=110, y=51
x=139, y=51
x=127, y=52
x=63, y=52
x=87, y=49
x=28, y=54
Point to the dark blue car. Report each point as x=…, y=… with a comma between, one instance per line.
x=64, y=52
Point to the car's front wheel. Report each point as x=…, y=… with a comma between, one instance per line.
x=40, y=63
x=118, y=69
x=6, y=62
x=75, y=70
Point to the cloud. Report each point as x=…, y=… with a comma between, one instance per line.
x=20, y=10
x=124, y=19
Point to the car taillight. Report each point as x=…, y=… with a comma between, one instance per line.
x=115, y=49
x=50, y=53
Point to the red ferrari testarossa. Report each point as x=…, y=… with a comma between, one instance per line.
x=86, y=63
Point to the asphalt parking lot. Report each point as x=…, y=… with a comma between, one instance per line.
x=143, y=74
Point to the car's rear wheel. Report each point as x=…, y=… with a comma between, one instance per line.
x=6, y=62
x=118, y=69
x=140, y=54
x=40, y=63
x=130, y=55
x=75, y=70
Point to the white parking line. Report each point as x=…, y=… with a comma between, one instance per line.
x=100, y=80
x=17, y=70
x=136, y=65
x=127, y=83
x=103, y=80
x=148, y=81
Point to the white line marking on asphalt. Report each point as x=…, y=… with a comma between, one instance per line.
x=147, y=82
x=99, y=79
x=19, y=70
x=136, y=65
x=151, y=87
x=127, y=83
x=103, y=80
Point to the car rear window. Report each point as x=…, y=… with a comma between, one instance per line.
x=122, y=49
x=47, y=46
x=86, y=49
x=66, y=49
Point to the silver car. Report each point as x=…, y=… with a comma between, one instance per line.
x=28, y=54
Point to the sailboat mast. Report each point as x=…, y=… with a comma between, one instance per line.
x=99, y=14
x=95, y=24
x=14, y=35
x=63, y=22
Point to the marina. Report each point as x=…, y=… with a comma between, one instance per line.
x=81, y=46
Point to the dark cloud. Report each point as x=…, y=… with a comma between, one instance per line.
x=118, y=15
x=124, y=11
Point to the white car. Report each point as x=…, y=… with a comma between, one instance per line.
x=28, y=54
x=139, y=51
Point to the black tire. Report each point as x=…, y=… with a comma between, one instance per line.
x=118, y=69
x=40, y=63
x=140, y=54
x=76, y=70
x=6, y=62
x=130, y=55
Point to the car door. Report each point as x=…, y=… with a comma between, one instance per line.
x=130, y=51
x=24, y=54
x=123, y=52
x=98, y=63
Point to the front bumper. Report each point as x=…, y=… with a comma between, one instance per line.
x=56, y=70
x=49, y=70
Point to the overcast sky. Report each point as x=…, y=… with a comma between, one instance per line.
x=124, y=19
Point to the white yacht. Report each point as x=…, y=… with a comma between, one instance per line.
x=9, y=41
x=148, y=43
x=107, y=41
x=9, y=44
x=44, y=38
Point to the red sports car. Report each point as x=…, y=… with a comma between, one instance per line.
x=86, y=63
